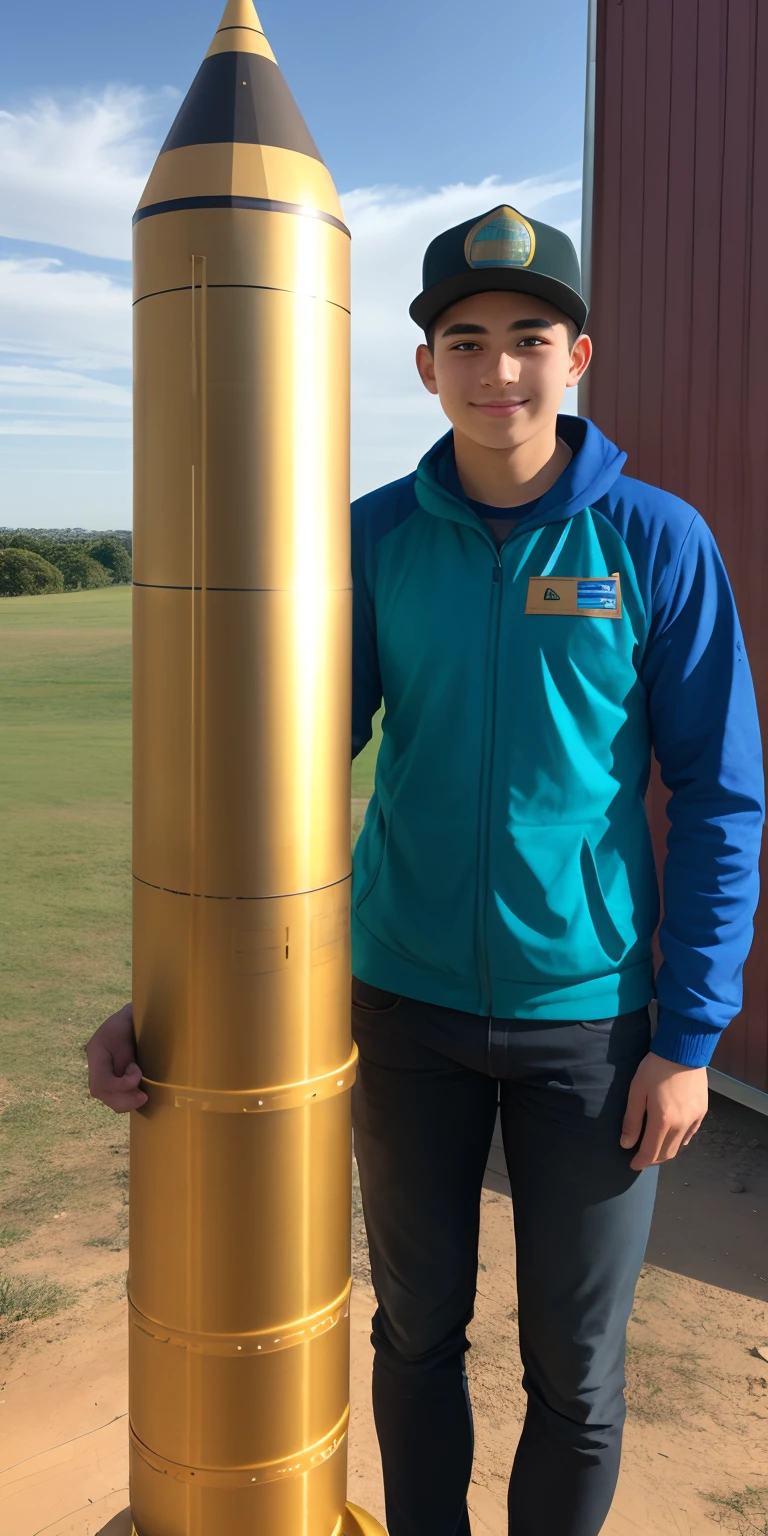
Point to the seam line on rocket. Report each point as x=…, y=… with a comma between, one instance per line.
x=257, y=287
x=274, y=896
x=167, y=586
x=252, y=204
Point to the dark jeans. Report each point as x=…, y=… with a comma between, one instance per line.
x=425, y=1103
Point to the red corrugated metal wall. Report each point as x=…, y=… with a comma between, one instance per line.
x=680, y=309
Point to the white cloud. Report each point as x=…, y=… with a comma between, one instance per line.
x=20, y=381
x=71, y=173
x=80, y=319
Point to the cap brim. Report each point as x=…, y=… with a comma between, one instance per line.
x=433, y=301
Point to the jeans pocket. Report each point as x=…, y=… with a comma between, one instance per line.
x=625, y=1039
x=373, y=999
x=597, y=1026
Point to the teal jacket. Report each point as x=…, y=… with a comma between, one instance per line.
x=505, y=865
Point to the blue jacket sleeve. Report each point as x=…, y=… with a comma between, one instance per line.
x=707, y=741
x=366, y=681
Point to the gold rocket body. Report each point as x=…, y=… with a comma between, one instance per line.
x=240, y=1162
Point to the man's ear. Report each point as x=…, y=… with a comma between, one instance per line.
x=426, y=366
x=581, y=357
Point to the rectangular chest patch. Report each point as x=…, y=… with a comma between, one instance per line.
x=587, y=597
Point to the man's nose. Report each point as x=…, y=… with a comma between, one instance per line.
x=504, y=370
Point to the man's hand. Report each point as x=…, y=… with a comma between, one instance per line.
x=672, y=1100
x=114, y=1075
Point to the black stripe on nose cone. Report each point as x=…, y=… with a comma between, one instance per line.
x=240, y=98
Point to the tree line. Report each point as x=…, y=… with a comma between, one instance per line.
x=43, y=560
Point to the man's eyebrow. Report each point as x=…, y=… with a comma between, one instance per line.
x=461, y=328
x=466, y=328
x=537, y=323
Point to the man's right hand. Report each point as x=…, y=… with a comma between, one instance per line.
x=114, y=1075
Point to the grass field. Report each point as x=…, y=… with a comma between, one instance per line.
x=65, y=896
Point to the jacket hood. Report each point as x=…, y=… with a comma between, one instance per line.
x=595, y=466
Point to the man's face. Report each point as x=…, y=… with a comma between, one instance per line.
x=500, y=364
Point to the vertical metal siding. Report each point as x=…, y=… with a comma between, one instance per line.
x=680, y=310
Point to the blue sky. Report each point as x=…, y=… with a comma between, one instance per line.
x=426, y=113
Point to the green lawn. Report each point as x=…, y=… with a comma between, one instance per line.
x=64, y=889
x=65, y=892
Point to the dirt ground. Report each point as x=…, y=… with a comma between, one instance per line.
x=696, y=1457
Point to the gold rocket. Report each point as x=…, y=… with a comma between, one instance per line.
x=240, y=1162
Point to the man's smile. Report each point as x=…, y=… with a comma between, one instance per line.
x=499, y=407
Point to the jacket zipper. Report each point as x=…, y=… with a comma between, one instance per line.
x=484, y=829
x=486, y=783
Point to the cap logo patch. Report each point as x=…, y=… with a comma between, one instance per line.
x=502, y=239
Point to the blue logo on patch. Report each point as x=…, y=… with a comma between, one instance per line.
x=597, y=594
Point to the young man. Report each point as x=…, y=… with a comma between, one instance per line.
x=535, y=623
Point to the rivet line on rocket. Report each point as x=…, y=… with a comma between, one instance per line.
x=251, y=204
x=253, y=1101
x=257, y=287
x=259, y=1472
x=266, y=1341
x=272, y=896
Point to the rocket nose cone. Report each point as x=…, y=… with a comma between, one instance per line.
x=240, y=13
x=238, y=95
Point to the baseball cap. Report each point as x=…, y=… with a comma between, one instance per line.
x=501, y=250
